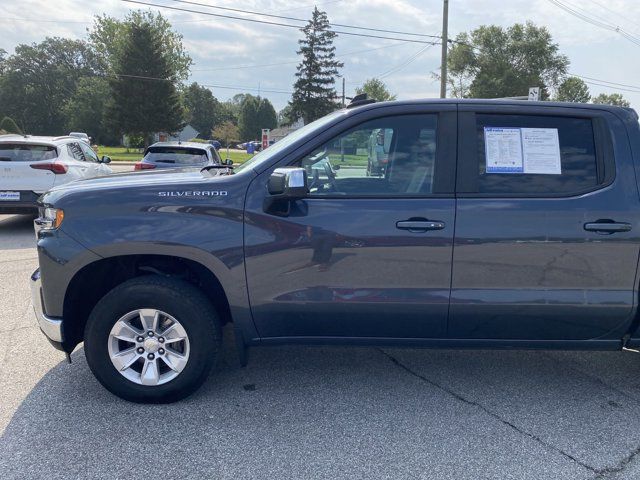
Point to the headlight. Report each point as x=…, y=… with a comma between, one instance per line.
x=49, y=219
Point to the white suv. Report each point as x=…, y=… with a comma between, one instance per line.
x=29, y=166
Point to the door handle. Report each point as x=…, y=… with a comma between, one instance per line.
x=419, y=225
x=607, y=227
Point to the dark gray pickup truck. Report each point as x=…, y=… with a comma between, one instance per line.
x=494, y=224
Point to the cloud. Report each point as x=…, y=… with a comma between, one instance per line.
x=234, y=44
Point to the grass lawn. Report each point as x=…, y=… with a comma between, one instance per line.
x=122, y=154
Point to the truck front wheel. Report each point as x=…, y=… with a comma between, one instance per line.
x=152, y=339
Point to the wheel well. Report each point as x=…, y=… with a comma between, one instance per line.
x=95, y=280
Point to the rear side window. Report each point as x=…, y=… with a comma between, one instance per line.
x=26, y=153
x=535, y=155
x=178, y=156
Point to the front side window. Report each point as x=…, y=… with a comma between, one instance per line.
x=88, y=152
x=392, y=156
x=535, y=154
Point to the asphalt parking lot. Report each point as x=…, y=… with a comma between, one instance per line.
x=315, y=412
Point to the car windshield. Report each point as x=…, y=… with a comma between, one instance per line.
x=176, y=155
x=280, y=145
x=17, y=152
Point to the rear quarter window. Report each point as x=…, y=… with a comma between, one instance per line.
x=17, y=152
x=578, y=164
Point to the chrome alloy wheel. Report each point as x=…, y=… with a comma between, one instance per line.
x=148, y=347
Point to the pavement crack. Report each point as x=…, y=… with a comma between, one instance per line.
x=619, y=468
x=475, y=404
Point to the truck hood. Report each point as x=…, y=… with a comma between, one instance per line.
x=138, y=181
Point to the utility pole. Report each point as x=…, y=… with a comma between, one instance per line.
x=343, y=97
x=445, y=43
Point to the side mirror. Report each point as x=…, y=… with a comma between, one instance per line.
x=288, y=182
x=227, y=162
x=105, y=159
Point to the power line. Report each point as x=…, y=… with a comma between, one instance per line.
x=594, y=21
x=297, y=27
x=409, y=60
x=608, y=84
x=281, y=17
x=240, y=67
x=230, y=87
x=617, y=14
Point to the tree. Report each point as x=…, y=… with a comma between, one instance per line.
x=493, y=62
x=226, y=133
x=7, y=125
x=248, y=118
x=86, y=111
x=145, y=98
x=108, y=40
x=376, y=89
x=267, y=117
x=255, y=114
x=203, y=110
x=314, y=93
x=612, y=99
x=573, y=89
x=39, y=79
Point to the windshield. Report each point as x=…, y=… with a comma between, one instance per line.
x=280, y=145
x=176, y=155
x=18, y=152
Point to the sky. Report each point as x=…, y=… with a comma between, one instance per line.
x=235, y=56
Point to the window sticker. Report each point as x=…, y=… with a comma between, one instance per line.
x=541, y=151
x=503, y=150
x=522, y=150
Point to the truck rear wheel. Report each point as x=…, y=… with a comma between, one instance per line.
x=152, y=339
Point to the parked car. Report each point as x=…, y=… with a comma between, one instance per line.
x=257, y=146
x=496, y=224
x=178, y=155
x=30, y=165
x=216, y=144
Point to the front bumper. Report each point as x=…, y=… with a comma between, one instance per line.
x=51, y=327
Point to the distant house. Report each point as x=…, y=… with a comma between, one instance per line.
x=184, y=135
x=281, y=132
x=187, y=133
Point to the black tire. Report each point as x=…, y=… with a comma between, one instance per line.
x=175, y=297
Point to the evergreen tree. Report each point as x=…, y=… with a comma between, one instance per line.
x=267, y=117
x=145, y=98
x=314, y=93
x=248, y=124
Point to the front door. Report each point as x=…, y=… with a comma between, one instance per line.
x=546, y=229
x=368, y=253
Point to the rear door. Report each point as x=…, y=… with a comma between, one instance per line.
x=16, y=173
x=546, y=243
